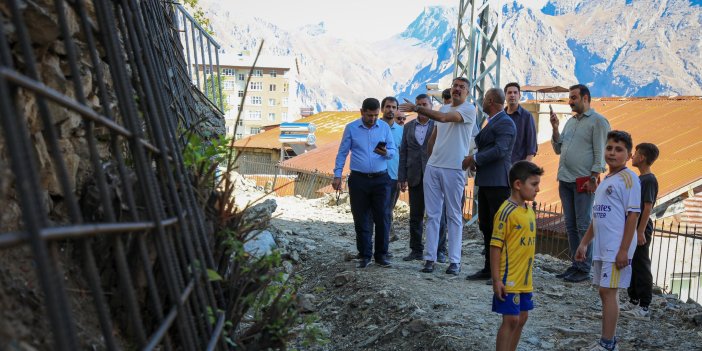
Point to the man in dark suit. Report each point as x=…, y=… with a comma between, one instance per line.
x=413, y=161
x=492, y=161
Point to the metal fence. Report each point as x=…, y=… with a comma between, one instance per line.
x=675, y=250
x=199, y=48
x=154, y=230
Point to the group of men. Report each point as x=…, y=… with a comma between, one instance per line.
x=430, y=158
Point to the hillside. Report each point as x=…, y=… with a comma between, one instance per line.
x=649, y=48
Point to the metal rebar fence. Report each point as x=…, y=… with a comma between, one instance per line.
x=142, y=243
x=202, y=55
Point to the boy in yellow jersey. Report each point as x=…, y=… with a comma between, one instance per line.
x=615, y=213
x=512, y=254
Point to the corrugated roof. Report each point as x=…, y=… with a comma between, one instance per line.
x=264, y=61
x=544, y=89
x=674, y=124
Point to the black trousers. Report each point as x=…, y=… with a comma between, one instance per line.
x=490, y=198
x=417, y=208
x=369, y=200
x=641, y=286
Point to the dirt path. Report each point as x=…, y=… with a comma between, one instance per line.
x=400, y=308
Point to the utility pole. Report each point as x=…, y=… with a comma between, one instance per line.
x=478, y=48
x=478, y=56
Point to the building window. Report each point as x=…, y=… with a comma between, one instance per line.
x=271, y=102
x=239, y=136
x=274, y=74
x=284, y=115
x=255, y=130
x=285, y=87
x=229, y=85
x=254, y=115
x=271, y=116
x=240, y=123
x=231, y=100
x=256, y=100
x=257, y=73
x=271, y=87
x=241, y=76
x=228, y=71
x=240, y=93
x=285, y=101
x=256, y=86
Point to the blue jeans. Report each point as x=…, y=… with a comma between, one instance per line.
x=576, y=209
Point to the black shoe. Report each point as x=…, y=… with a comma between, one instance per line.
x=453, y=268
x=428, y=267
x=567, y=272
x=479, y=275
x=389, y=255
x=365, y=262
x=414, y=256
x=483, y=252
x=383, y=263
x=440, y=257
x=577, y=277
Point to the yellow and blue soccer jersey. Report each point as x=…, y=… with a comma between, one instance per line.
x=515, y=232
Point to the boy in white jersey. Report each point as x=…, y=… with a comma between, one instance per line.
x=615, y=213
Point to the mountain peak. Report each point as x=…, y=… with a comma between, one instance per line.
x=314, y=30
x=432, y=25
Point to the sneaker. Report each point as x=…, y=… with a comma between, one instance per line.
x=453, y=268
x=596, y=346
x=628, y=306
x=413, y=256
x=567, y=272
x=640, y=313
x=577, y=277
x=440, y=257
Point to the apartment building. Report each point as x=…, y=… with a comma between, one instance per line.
x=268, y=99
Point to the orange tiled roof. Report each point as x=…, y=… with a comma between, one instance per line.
x=674, y=124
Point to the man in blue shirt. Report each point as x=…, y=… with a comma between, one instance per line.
x=371, y=144
x=525, y=141
x=389, y=108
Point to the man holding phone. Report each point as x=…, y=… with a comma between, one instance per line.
x=581, y=146
x=371, y=144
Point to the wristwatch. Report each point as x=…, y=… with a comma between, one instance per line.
x=593, y=179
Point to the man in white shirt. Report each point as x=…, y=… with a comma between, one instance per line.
x=444, y=180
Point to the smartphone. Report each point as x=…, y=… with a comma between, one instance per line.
x=381, y=144
x=550, y=108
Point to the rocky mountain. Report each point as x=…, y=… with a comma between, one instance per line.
x=630, y=48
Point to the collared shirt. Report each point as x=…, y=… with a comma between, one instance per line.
x=525, y=140
x=394, y=162
x=581, y=146
x=420, y=132
x=361, y=141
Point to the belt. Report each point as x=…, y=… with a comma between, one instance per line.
x=370, y=175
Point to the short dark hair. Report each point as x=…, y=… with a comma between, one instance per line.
x=522, y=170
x=513, y=84
x=462, y=79
x=498, y=96
x=649, y=151
x=370, y=104
x=446, y=94
x=421, y=96
x=583, y=90
x=388, y=98
x=620, y=136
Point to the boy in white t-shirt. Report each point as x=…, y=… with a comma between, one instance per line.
x=614, y=216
